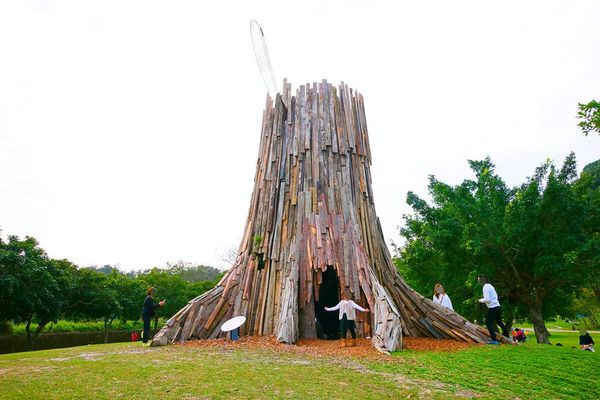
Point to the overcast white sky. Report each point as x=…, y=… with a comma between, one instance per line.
x=129, y=130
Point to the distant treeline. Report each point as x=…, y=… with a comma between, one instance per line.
x=36, y=290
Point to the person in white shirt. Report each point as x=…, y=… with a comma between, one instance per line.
x=440, y=296
x=490, y=298
x=347, y=317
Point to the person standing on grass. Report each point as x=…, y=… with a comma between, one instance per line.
x=347, y=317
x=490, y=298
x=149, y=311
x=440, y=296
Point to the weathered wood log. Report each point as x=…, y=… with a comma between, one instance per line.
x=312, y=212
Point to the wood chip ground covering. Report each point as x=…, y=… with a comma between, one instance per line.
x=317, y=347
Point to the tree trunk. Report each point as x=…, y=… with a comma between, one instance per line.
x=107, y=323
x=539, y=326
x=29, y=338
x=105, y=331
x=313, y=208
x=509, y=318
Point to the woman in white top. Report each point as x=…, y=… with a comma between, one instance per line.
x=440, y=296
x=347, y=317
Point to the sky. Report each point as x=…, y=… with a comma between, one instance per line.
x=129, y=130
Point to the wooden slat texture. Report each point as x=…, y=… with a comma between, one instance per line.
x=313, y=207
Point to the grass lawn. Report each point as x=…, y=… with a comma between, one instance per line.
x=552, y=324
x=128, y=370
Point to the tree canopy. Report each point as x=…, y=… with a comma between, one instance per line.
x=532, y=240
x=35, y=289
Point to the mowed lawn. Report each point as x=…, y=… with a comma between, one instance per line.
x=128, y=370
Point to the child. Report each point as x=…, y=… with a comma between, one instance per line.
x=347, y=317
x=519, y=335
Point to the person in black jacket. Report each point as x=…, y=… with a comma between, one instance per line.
x=585, y=340
x=149, y=311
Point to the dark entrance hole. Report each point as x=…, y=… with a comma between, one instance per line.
x=329, y=296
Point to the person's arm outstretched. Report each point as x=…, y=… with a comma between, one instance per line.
x=337, y=307
x=359, y=308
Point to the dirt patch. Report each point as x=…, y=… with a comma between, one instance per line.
x=350, y=357
x=315, y=347
x=428, y=344
x=91, y=356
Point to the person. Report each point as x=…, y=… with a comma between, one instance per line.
x=585, y=340
x=519, y=335
x=347, y=317
x=149, y=311
x=440, y=296
x=490, y=298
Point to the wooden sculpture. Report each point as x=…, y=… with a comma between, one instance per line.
x=312, y=231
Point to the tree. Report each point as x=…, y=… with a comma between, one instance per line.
x=95, y=298
x=587, y=188
x=544, y=227
x=527, y=239
x=106, y=297
x=590, y=115
x=33, y=288
x=194, y=273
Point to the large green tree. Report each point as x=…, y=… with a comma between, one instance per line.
x=106, y=297
x=33, y=288
x=588, y=189
x=530, y=240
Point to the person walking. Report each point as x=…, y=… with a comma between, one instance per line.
x=490, y=299
x=149, y=311
x=440, y=296
x=347, y=317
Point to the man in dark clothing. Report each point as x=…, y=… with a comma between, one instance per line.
x=149, y=311
x=585, y=340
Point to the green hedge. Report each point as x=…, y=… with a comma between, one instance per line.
x=85, y=326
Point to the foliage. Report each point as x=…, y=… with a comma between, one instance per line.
x=531, y=240
x=194, y=273
x=36, y=290
x=174, y=289
x=257, y=242
x=589, y=114
x=62, y=325
x=33, y=288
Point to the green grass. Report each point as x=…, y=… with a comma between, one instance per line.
x=128, y=370
x=528, y=370
x=540, y=372
x=557, y=324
